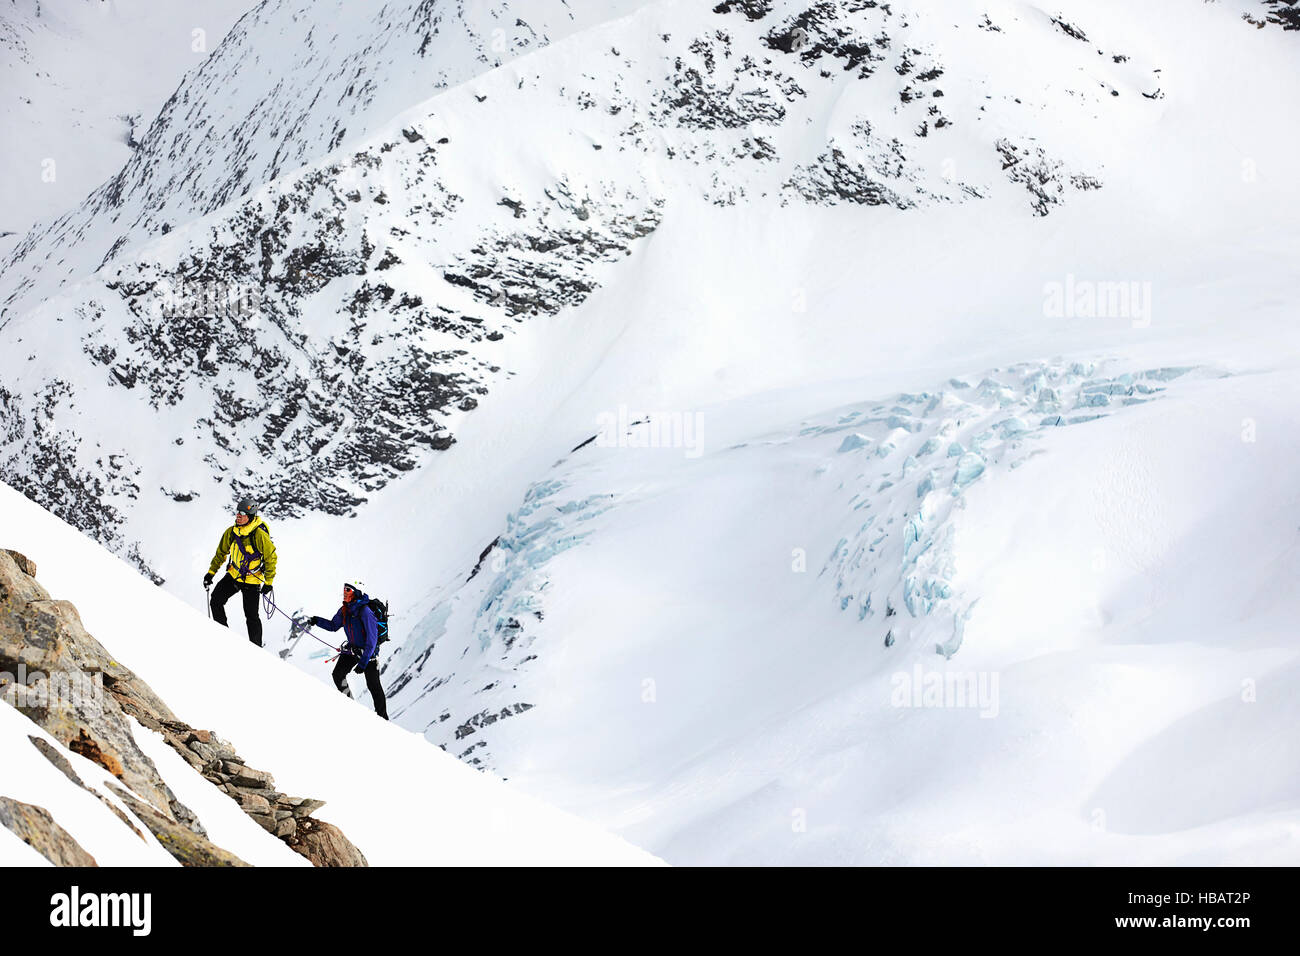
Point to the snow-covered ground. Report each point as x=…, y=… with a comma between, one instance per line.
x=1046, y=455
x=399, y=800
x=82, y=80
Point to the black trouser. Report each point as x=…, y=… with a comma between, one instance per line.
x=345, y=664
x=224, y=591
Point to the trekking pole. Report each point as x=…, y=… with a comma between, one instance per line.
x=207, y=599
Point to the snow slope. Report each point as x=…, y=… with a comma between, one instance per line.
x=738, y=625
x=290, y=82
x=399, y=800
x=82, y=80
x=403, y=279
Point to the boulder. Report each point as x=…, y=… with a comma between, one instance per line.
x=253, y=779
x=251, y=802
x=308, y=807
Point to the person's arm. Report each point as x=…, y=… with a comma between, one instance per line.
x=331, y=625
x=268, y=555
x=370, y=625
x=223, y=551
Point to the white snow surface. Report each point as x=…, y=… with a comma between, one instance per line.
x=82, y=79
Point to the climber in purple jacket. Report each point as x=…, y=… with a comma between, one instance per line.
x=361, y=628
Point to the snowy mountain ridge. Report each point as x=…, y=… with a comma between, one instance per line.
x=313, y=244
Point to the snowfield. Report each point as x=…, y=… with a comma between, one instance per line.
x=83, y=80
x=784, y=433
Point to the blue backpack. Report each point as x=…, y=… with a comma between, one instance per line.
x=380, y=610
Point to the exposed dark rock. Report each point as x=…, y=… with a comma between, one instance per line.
x=713, y=91
x=1285, y=13
x=833, y=29
x=1069, y=29
x=1045, y=179
x=835, y=177
x=752, y=9
x=487, y=718
x=482, y=556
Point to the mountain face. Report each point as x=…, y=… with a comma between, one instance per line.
x=68, y=126
x=682, y=374
x=342, y=318
x=289, y=83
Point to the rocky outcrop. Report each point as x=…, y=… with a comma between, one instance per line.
x=66, y=682
x=1284, y=13
x=1044, y=178
x=35, y=827
x=288, y=818
x=55, y=673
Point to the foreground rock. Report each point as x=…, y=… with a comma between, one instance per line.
x=60, y=673
x=65, y=681
x=35, y=827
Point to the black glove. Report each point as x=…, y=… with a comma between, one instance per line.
x=207, y=580
x=267, y=589
x=359, y=669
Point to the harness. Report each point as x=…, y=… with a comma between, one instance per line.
x=252, y=555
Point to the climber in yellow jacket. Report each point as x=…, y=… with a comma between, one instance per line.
x=250, y=553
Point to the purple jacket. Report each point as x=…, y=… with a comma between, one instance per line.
x=359, y=626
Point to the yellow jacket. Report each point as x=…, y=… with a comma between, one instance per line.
x=250, y=551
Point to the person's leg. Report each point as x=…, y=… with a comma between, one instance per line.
x=345, y=663
x=252, y=612
x=222, y=593
x=376, y=689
